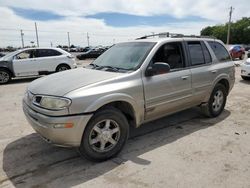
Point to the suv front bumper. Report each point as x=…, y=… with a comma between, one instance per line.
x=47, y=127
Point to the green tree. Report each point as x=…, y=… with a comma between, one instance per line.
x=240, y=31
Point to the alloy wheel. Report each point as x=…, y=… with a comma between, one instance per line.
x=104, y=135
x=218, y=100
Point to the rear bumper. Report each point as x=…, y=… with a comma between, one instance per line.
x=45, y=126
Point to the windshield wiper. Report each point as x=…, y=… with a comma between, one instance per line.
x=110, y=67
x=94, y=65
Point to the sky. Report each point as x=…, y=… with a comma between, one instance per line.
x=108, y=21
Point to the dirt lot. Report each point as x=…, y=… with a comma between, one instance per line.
x=183, y=150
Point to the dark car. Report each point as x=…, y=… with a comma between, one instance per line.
x=1, y=54
x=237, y=51
x=90, y=54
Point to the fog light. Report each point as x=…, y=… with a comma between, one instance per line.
x=65, y=125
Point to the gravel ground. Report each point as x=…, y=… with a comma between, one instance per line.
x=182, y=150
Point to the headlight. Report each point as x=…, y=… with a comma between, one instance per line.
x=52, y=103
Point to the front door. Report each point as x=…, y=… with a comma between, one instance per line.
x=167, y=93
x=25, y=63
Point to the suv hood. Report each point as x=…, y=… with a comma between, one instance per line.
x=59, y=84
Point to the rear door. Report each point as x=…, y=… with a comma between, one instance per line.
x=202, y=69
x=49, y=59
x=25, y=63
x=168, y=92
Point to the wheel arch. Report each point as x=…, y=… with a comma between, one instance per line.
x=224, y=80
x=225, y=83
x=7, y=69
x=122, y=102
x=62, y=64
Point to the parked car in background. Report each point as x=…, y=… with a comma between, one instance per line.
x=130, y=84
x=245, y=70
x=92, y=53
x=1, y=54
x=237, y=51
x=33, y=62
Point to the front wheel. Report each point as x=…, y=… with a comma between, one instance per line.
x=216, y=102
x=5, y=76
x=105, y=135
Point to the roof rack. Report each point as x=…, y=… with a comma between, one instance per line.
x=174, y=35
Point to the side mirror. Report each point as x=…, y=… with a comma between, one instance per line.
x=157, y=68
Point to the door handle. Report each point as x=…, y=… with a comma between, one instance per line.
x=214, y=71
x=184, y=77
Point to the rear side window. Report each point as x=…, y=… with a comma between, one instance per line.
x=220, y=51
x=47, y=53
x=196, y=53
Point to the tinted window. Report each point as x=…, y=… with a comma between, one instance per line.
x=47, y=52
x=220, y=51
x=196, y=53
x=172, y=54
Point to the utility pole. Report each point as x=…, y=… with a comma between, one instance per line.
x=88, y=38
x=229, y=25
x=68, y=40
x=22, y=38
x=37, y=41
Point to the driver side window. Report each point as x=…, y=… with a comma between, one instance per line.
x=171, y=53
x=25, y=55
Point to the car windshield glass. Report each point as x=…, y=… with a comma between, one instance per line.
x=10, y=55
x=126, y=56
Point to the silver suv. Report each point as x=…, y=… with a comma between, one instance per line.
x=92, y=108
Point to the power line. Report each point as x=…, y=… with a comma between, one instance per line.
x=62, y=31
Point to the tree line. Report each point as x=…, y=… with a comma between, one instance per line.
x=240, y=31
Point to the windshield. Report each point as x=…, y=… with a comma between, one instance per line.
x=126, y=56
x=10, y=55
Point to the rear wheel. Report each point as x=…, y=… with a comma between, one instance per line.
x=105, y=135
x=216, y=102
x=62, y=68
x=5, y=76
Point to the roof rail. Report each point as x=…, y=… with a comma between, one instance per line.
x=174, y=35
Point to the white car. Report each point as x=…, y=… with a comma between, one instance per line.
x=245, y=70
x=34, y=62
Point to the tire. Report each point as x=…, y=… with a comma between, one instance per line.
x=98, y=133
x=242, y=56
x=61, y=68
x=5, y=76
x=217, y=101
x=245, y=77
